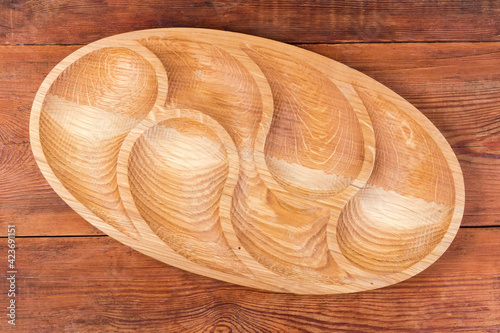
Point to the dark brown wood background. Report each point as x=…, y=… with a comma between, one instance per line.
x=441, y=55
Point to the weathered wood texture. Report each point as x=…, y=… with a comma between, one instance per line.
x=311, y=21
x=95, y=284
x=456, y=85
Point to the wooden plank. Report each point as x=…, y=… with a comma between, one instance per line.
x=481, y=170
x=96, y=284
x=456, y=85
x=310, y=21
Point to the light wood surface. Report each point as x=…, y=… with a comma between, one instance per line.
x=440, y=79
x=247, y=160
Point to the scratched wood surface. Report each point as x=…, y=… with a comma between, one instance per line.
x=93, y=283
x=310, y=21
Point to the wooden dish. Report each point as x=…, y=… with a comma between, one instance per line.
x=247, y=160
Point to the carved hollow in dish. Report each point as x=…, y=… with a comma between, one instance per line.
x=406, y=207
x=87, y=113
x=247, y=160
x=177, y=171
x=314, y=147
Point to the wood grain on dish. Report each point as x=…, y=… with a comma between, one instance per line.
x=247, y=160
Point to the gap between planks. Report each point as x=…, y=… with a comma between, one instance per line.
x=465, y=41
x=96, y=236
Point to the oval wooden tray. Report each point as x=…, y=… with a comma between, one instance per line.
x=247, y=160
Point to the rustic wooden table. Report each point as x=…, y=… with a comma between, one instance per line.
x=442, y=56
